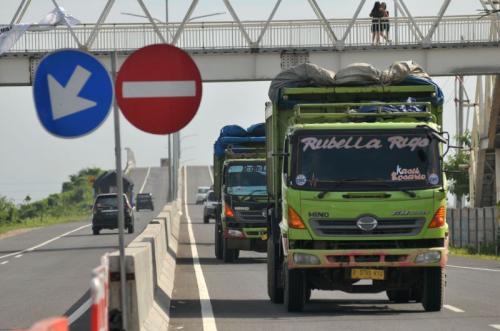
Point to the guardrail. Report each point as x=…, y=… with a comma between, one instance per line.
x=476, y=229
x=294, y=34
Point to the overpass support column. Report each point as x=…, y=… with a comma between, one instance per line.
x=497, y=174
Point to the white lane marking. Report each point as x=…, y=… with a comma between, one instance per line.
x=453, y=308
x=210, y=173
x=159, y=89
x=45, y=242
x=18, y=256
x=207, y=313
x=495, y=326
x=145, y=180
x=4, y=262
x=80, y=311
x=472, y=268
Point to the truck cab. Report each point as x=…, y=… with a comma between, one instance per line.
x=244, y=205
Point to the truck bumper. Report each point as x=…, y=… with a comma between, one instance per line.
x=249, y=239
x=380, y=258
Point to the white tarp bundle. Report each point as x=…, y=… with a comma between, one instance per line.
x=356, y=74
x=10, y=34
x=305, y=74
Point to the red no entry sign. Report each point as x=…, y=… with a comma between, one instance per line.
x=158, y=89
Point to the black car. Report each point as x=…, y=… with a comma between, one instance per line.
x=105, y=213
x=144, y=201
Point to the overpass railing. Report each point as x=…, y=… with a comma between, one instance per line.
x=293, y=34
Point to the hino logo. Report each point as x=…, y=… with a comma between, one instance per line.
x=367, y=223
x=319, y=214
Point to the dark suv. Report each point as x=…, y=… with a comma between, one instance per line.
x=105, y=213
x=144, y=201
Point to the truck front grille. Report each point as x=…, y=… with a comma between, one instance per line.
x=251, y=215
x=385, y=227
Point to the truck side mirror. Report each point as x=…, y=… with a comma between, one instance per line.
x=446, y=136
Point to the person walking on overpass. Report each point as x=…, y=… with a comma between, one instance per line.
x=384, y=23
x=376, y=14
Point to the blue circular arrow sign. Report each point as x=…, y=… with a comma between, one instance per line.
x=73, y=93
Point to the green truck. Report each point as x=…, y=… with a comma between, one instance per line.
x=356, y=175
x=240, y=188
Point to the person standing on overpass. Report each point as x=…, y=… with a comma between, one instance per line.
x=376, y=14
x=384, y=23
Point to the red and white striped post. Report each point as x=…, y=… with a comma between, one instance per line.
x=99, y=289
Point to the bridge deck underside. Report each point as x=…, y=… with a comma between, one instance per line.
x=237, y=65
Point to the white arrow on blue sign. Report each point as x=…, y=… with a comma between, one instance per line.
x=73, y=93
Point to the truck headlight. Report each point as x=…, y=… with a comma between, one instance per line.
x=301, y=258
x=428, y=257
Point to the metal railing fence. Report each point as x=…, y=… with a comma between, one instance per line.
x=293, y=34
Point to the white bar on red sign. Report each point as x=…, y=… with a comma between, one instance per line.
x=159, y=89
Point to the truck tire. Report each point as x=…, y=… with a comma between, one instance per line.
x=218, y=242
x=274, y=288
x=433, y=289
x=229, y=254
x=308, y=294
x=416, y=293
x=399, y=296
x=95, y=231
x=295, y=289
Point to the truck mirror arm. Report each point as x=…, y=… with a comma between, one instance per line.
x=281, y=154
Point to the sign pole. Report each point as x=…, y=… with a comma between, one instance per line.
x=170, y=172
x=121, y=216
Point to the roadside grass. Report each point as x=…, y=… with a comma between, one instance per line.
x=41, y=222
x=467, y=252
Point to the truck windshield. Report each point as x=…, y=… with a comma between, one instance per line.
x=365, y=161
x=246, y=179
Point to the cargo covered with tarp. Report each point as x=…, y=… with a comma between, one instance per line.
x=400, y=73
x=236, y=137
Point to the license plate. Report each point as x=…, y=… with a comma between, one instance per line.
x=367, y=274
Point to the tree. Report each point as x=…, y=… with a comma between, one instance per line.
x=456, y=167
x=6, y=209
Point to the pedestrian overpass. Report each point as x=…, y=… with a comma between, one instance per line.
x=236, y=50
x=257, y=50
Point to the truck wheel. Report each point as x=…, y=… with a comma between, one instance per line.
x=95, y=231
x=218, y=242
x=228, y=254
x=295, y=289
x=399, y=296
x=274, y=288
x=433, y=289
x=416, y=293
x=308, y=294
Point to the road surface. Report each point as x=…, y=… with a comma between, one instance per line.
x=54, y=277
x=234, y=296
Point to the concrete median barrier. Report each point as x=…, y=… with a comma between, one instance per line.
x=150, y=269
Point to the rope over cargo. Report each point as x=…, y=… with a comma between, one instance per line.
x=238, y=137
x=356, y=74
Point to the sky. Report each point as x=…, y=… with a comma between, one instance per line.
x=35, y=163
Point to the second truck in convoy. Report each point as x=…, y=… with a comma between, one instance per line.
x=240, y=188
x=355, y=169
